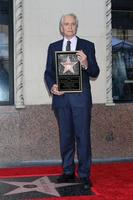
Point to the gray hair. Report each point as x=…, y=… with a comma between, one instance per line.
x=62, y=19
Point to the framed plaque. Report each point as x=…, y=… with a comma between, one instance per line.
x=68, y=71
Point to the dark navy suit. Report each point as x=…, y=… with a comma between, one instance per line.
x=73, y=110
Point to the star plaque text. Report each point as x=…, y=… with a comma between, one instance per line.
x=68, y=71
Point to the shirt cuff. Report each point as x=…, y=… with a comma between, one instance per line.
x=84, y=67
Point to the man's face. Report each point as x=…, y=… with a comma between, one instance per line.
x=68, y=28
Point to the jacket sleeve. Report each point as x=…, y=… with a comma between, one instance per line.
x=49, y=74
x=93, y=68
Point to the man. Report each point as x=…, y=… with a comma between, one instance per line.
x=73, y=110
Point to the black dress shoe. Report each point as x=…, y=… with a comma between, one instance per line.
x=87, y=184
x=66, y=178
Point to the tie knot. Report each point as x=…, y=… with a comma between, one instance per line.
x=68, y=46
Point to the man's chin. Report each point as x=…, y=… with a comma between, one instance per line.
x=70, y=35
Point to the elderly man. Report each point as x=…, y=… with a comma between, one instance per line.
x=73, y=110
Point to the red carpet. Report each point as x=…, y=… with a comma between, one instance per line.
x=112, y=181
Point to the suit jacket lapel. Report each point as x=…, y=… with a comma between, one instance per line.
x=78, y=47
x=60, y=44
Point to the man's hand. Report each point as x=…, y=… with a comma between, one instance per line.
x=82, y=59
x=55, y=91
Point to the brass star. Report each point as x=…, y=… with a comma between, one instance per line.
x=43, y=185
x=68, y=65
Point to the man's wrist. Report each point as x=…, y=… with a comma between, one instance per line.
x=84, y=67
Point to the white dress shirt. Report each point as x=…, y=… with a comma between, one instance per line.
x=73, y=43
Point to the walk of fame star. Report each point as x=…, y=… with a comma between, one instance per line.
x=43, y=185
x=68, y=65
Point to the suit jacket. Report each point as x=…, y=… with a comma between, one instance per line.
x=76, y=99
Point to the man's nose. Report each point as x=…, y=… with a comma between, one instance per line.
x=70, y=26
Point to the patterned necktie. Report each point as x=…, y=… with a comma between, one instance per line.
x=68, y=46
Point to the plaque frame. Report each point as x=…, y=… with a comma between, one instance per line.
x=68, y=71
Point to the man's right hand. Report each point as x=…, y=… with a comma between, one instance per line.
x=55, y=91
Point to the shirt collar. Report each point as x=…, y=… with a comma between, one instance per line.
x=73, y=39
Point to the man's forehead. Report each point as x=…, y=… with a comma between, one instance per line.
x=69, y=18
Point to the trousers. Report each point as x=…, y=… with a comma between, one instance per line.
x=74, y=132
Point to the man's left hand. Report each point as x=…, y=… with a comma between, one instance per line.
x=82, y=58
